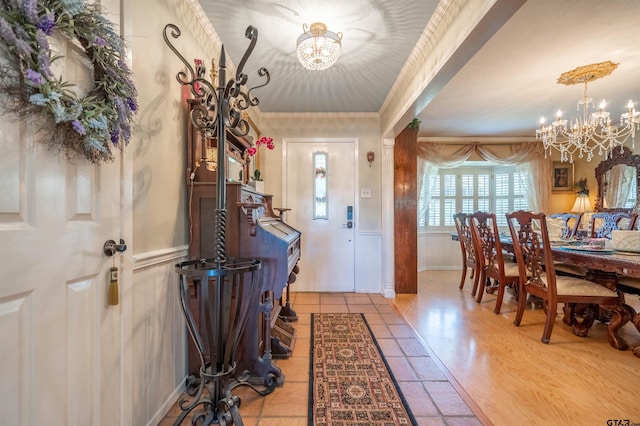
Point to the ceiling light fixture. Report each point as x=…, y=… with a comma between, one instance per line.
x=590, y=131
x=317, y=47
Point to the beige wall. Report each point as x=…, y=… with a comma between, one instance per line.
x=158, y=147
x=365, y=127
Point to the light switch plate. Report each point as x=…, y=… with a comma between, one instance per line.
x=365, y=192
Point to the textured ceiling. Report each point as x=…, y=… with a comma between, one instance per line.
x=378, y=36
x=500, y=91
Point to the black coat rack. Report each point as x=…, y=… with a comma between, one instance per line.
x=229, y=286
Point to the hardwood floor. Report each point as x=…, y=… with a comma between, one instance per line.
x=509, y=373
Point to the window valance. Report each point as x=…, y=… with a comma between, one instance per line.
x=529, y=156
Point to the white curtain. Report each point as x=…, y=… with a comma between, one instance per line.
x=425, y=169
x=619, y=185
x=527, y=157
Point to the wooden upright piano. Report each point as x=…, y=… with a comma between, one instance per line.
x=253, y=231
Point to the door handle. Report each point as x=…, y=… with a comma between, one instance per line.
x=110, y=247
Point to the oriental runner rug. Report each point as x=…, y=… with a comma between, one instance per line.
x=351, y=383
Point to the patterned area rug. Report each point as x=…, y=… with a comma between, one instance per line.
x=351, y=383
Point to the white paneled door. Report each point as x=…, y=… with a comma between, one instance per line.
x=319, y=202
x=60, y=350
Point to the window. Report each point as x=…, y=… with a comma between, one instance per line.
x=631, y=200
x=468, y=189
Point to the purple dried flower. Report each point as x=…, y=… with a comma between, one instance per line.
x=125, y=75
x=6, y=32
x=115, y=137
x=78, y=127
x=47, y=24
x=42, y=40
x=99, y=41
x=126, y=132
x=122, y=109
x=133, y=105
x=30, y=8
x=23, y=48
x=44, y=63
x=34, y=77
x=20, y=32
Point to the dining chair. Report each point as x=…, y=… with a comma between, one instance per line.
x=603, y=222
x=486, y=237
x=538, y=278
x=570, y=223
x=469, y=257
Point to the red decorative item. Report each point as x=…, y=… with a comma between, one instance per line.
x=268, y=142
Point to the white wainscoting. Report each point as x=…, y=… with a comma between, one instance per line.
x=159, y=335
x=436, y=250
x=369, y=262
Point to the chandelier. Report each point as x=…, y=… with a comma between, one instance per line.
x=588, y=131
x=317, y=47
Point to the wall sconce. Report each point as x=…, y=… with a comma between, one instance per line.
x=370, y=157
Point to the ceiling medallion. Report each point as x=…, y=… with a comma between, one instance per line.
x=587, y=73
x=589, y=131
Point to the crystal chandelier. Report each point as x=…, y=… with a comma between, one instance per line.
x=317, y=47
x=589, y=131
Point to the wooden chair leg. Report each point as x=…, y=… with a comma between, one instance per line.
x=476, y=279
x=522, y=301
x=484, y=284
x=549, y=322
x=501, y=287
x=464, y=275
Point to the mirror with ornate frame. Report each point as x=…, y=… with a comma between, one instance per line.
x=618, y=180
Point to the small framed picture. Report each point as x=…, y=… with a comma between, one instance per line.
x=562, y=177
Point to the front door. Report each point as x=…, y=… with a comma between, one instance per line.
x=60, y=340
x=322, y=208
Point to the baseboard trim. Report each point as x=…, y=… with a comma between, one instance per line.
x=168, y=403
x=438, y=268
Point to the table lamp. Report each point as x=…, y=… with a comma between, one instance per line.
x=582, y=204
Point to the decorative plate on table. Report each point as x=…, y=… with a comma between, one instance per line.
x=626, y=252
x=591, y=249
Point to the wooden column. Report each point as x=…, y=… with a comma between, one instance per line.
x=406, y=212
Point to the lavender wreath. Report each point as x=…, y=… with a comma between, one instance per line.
x=92, y=125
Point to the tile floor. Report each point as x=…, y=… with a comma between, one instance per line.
x=433, y=396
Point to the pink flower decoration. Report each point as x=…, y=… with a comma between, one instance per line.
x=266, y=141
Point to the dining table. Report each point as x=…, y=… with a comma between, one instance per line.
x=603, y=265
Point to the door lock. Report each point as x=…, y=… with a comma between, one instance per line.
x=349, y=217
x=110, y=247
